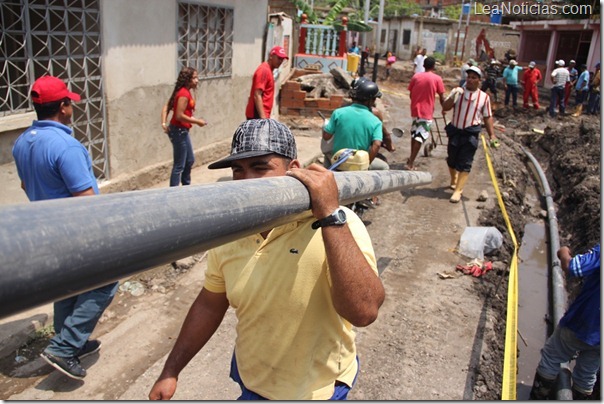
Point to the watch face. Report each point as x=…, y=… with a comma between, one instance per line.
x=341, y=215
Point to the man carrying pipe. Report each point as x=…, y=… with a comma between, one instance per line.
x=297, y=289
x=52, y=165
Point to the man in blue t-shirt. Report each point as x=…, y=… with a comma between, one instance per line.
x=510, y=82
x=577, y=332
x=52, y=164
x=581, y=88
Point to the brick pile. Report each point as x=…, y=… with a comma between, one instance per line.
x=294, y=101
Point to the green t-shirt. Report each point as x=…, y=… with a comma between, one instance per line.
x=354, y=127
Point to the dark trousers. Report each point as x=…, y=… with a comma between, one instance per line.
x=513, y=90
x=594, y=102
x=557, y=94
x=461, y=147
x=490, y=84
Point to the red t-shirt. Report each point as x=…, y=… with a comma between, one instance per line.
x=263, y=80
x=424, y=87
x=183, y=92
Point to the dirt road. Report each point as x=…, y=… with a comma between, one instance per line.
x=421, y=347
x=435, y=339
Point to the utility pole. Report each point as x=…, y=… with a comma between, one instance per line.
x=463, y=48
x=378, y=37
x=366, y=17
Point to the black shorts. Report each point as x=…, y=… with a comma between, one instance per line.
x=461, y=149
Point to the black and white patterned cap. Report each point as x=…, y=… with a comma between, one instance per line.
x=259, y=137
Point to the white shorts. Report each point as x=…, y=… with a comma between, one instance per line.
x=420, y=129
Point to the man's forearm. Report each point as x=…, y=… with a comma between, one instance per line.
x=488, y=123
x=204, y=317
x=258, y=105
x=374, y=149
x=357, y=291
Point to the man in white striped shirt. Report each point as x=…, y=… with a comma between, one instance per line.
x=559, y=77
x=471, y=107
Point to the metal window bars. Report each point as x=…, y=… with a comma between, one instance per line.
x=205, y=39
x=60, y=38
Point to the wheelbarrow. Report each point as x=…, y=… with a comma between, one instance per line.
x=431, y=145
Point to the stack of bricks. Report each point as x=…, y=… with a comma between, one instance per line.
x=293, y=100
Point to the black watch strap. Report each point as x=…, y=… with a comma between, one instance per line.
x=337, y=218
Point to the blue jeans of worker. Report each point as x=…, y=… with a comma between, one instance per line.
x=561, y=347
x=593, y=107
x=183, y=156
x=512, y=89
x=75, y=319
x=557, y=94
x=341, y=390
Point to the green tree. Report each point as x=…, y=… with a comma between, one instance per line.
x=399, y=8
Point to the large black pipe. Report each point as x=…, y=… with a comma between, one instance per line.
x=558, y=288
x=54, y=249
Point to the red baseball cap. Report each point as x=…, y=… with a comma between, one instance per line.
x=49, y=89
x=279, y=51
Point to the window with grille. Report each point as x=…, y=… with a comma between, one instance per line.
x=60, y=38
x=205, y=39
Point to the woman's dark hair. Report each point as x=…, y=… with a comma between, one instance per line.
x=50, y=109
x=184, y=77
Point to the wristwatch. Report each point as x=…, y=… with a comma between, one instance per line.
x=337, y=218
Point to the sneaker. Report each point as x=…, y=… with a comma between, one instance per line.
x=69, y=366
x=90, y=347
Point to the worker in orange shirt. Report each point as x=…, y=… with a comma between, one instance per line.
x=531, y=77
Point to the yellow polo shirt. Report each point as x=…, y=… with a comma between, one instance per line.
x=291, y=343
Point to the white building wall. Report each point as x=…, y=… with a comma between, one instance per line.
x=140, y=68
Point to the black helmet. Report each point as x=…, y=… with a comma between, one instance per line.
x=363, y=89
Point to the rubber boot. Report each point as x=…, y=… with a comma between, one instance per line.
x=542, y=388
x=462, y=177
x=453, y=172
x=580, y=395
x=579, y=110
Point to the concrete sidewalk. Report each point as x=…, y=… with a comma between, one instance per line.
x=15, y=330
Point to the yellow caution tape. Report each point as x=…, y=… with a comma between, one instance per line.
x=510, y=363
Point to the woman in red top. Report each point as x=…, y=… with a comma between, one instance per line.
x=182, y=105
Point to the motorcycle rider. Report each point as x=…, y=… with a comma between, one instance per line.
x=356, y=126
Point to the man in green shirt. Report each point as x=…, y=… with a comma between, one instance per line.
x=355, y=126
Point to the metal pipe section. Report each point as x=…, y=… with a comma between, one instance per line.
x=53, y=249
x=559, y=294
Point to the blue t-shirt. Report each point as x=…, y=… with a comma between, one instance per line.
x=583, y=315
x=510, y=74
x=51, y=163
x=354, y=127
x=583, y=81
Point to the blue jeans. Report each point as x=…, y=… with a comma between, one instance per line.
x=593, y=107
x=75, y=319
x=561, y=347
x=512, y=89
x=557, y=94
x=183, y=156
x=341, y=390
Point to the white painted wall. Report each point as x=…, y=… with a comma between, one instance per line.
x=139, y=41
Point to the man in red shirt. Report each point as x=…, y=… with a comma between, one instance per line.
x=423, y=88
x=262, y=94
x=531, y=77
